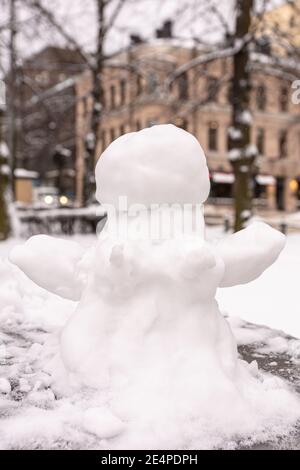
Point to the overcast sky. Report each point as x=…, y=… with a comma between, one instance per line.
x=192, y=19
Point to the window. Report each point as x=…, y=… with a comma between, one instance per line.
x=181, y=122
x=260, y=141
x=284, y=99
x=102, y=97
x=183, y=86
x=122, y=92
x=85, y=105
x=152, y=82
x=213, y=136
x=283, y=144
x=112, y=135
x=139, y=85
x=212, y=89
x=43, y=78
x=103, y=139
x=112, y=96
x=261, y=98
x=230, y=94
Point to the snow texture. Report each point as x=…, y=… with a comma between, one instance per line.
x=147, y=336
x=158, y=165
x=30, y=324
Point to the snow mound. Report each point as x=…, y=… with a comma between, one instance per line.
x=158, y=165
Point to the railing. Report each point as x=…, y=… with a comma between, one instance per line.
x=59, y=221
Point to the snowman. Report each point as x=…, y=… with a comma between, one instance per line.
x=147, y=332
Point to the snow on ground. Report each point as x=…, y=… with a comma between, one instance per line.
x=33, y=415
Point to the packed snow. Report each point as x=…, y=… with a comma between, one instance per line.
x=30, y=323
x=145, y=359
x=160, y=164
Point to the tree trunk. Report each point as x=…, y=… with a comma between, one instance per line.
x=98, y=103
x=242, y=154
x=4, y=219
x=12, y=88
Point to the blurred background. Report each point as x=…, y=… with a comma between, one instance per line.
x=75, y=75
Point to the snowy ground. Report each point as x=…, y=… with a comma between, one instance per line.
x=33, y=416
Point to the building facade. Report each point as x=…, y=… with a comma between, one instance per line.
x=46, y=141
x=162, y=81
x=155, y=84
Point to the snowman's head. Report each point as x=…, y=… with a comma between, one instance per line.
x=159, y=165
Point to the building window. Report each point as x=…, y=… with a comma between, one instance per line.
x=103, y=140
x=261, y=98
x=122, y=92
x=112, y=134
x=230, y=94
x=85, y=105
x=213, y=136
x=152, y=82
x=181, y=122
x=139, y=85
x=112, y=96
x=260, y=141
x=284, y=99
x=183, y=86
x=212, y=89
x=283, y=144
x=122, y=129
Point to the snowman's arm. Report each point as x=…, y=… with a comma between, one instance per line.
x=52, y=263
x=247, y=253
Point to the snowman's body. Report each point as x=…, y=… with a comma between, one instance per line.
x=147, y=332
x=145, y=302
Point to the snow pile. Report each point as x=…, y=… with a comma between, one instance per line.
x=147, y=338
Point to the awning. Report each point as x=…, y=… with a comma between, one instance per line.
x=22, y=173
x=228, y=178
x=265, y=180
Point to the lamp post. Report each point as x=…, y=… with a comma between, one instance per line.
x=60, y=158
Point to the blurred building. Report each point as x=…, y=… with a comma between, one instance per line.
x=154, y=83
x=285, y=19
x=141, y=88
x=46, y=144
